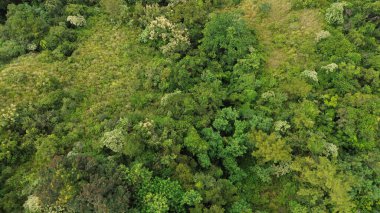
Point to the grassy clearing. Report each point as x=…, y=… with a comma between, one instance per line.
x=285, y=34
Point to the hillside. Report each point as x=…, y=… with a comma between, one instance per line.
x=189, y=106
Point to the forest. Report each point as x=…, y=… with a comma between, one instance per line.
x=200, y=106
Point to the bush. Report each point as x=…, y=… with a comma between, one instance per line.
x=25, y=24
x=117, y=9
x=85, y=2
x=193, y=15
x=301, y=4
x=227, y=39
x=57, y=35
x=337, y=48
x=10, y=49
x=265, y=9
x=77, y=21
x=334, y=14
x=53, y=7
x=169, y=37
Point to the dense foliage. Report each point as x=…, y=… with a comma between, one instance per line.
x=189, y=106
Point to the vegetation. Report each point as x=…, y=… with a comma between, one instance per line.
x=189, y=106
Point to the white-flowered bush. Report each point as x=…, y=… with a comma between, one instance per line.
x=330, y=67
x=33, y=204
x=8, y=115
x=166, y=98
x=169, y=37
x=32, y=47
x=310, y=74
x=267, y=95
x=322, y=35
x=113, y=140
x=331, y=150
x=281, y=126
x=78, y=21
x=334, y=14
x=281, y=169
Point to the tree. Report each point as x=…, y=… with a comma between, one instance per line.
x=270, y=148
x=25, y=24
x=358, y=122
x=197, y=146
x=320, y=176
x=162, y=194
x=225, y=119
x=226, y=38
x=305, y=114
x=170, y=38
x=116, y=9
x=334, y=14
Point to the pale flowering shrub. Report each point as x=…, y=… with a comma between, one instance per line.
x=113, y=140
x=267, y=95
x=281, y=169
x=32, y=204
x=330, y=67
x=146, y=127
x=322, y=35
x=147, y=124
x=334, y=14
x=166, y=98
x=330, y=149
x=169, y=37
x=8, y=115
x=310, y=74
x=32, y=47
x=78, y=20
x=281, y=126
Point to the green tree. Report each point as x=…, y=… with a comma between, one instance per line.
x=227, y=38
x=25, y=24
x=270, y=148
x=321, y=176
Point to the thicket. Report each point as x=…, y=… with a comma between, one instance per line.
x=189, y=116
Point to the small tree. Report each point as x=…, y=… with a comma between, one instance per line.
x=169, y=37
x=227, y=39
x=334, y=14
x=25, y=24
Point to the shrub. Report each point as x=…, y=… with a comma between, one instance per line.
x=53, y=7
x=25, y=24
x=75, y=9
x=334, y=14
x=57, y=35
x=265, y=9
x=322, y=35
x=85, y=2
x=143, y=15
x=310, y=74
x=270, y=148
x=330, y=67
x=300, y=4
x=10, y=49
x=338, y=48
x=113, y=140
x=281, y=126
x=227, y=38
x=78, y=20
x=193, y=15
x=8, y=115
x=33, y=204
x=169, y=37
x=117, y=9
